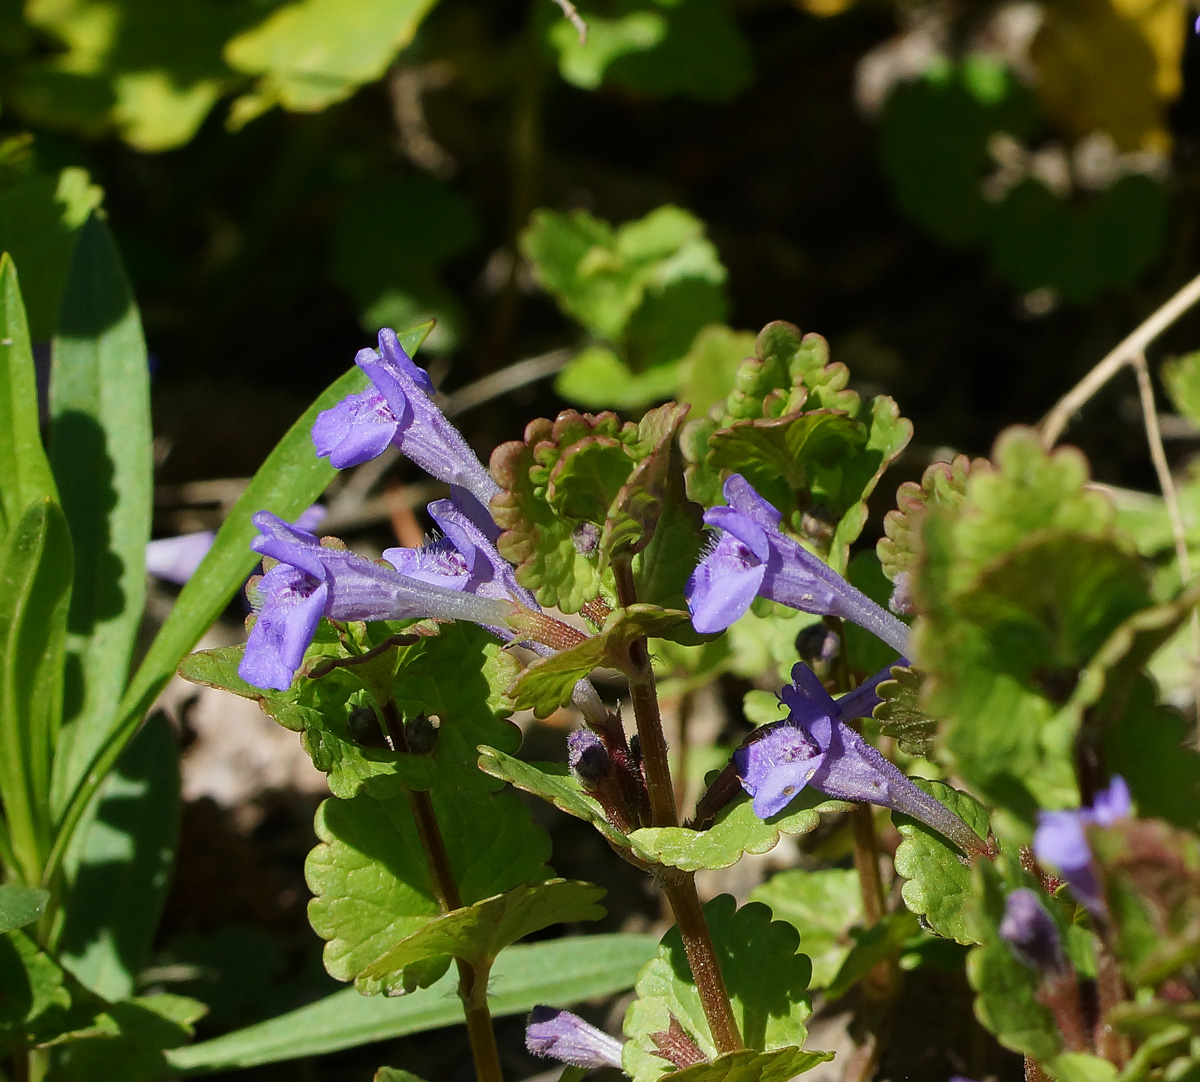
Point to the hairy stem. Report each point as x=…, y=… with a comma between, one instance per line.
x=472, y=982
x=702, y=959
x=679, y=887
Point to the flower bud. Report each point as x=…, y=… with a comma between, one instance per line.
x=564, y=1036
x=588, y=759
x=1031, y=932
x=420, y=734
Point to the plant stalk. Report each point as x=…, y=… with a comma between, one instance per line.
x=679, y=886
x=472, y=982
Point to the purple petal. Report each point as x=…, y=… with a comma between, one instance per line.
x=752, y=536
x=439, y=563
x=292, y=605
x=395, y=354
x=741, y=496
x=175, y=559
x=777, y=762
x=357, y=429
x=723, y=585
x=1112, y=804
x=423, y=434
x=287, y=543
x=491, y=575
x=565, y=1036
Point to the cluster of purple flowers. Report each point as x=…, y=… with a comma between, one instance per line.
x=460, y=576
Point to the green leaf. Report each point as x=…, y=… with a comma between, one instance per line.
x=632, y=516
x=286, y=483
x=651, y=284
x=152, y=75
x=583, y=64
x=34, y=990
x=119, y=868
x=597, y=378
x=1081, y=1067
x=100, y=449
x=937, y=885
x=822, y=906
x=882, y=942
x=942, y=484
x=39, y=217
x=1019, y=585
x=309, y=54
x=559, y=971
x=20, y=905
x=479, y=932
x=393, y=1074
x=703, y=54
x=709, y=371
x=1006, y=989
x=547, y=683
x=536, y=537
x=900, y=713
x=25, y=474
x=765, y=977
x=128, y=1039
x=805, y=441
x=36, y=565
x=661, y=570
x=370, y=879
x=737, y=830
x=553, y=783
x=1181, y=378
x=779, y=1065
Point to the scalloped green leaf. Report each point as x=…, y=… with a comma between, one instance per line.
x=542, y=543
x=883, y=941
x=942, y=484
x=662, y=568
x=369, y=876
x=822, y=905
x=632, y=516
x=1019, y=585
x=479, y=932
x=450, y=675
x=1006, y=989
x=766, y=978
x=803, y=439
x=548, y=682
x=779, y=1065
x=737, y=831
x=553, y=783
x=783, y=456
x=937, y=884
x=901, y=714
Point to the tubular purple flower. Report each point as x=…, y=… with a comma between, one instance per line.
x=1060, y=840
x=753, y=557
x=813, y=746
x=312, y=580
x=398, y=409
x=564, y=1036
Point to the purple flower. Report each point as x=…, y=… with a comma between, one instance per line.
x=398, y=409
x=175, y=559
x=1060, y=840
x=752, y=557
x=465, y=558
x=312, y=580
x=588, y=757
x=813, y=746
x=1031, y=932
x=564, y=1036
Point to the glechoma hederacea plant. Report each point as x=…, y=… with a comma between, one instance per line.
x=972, y=714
